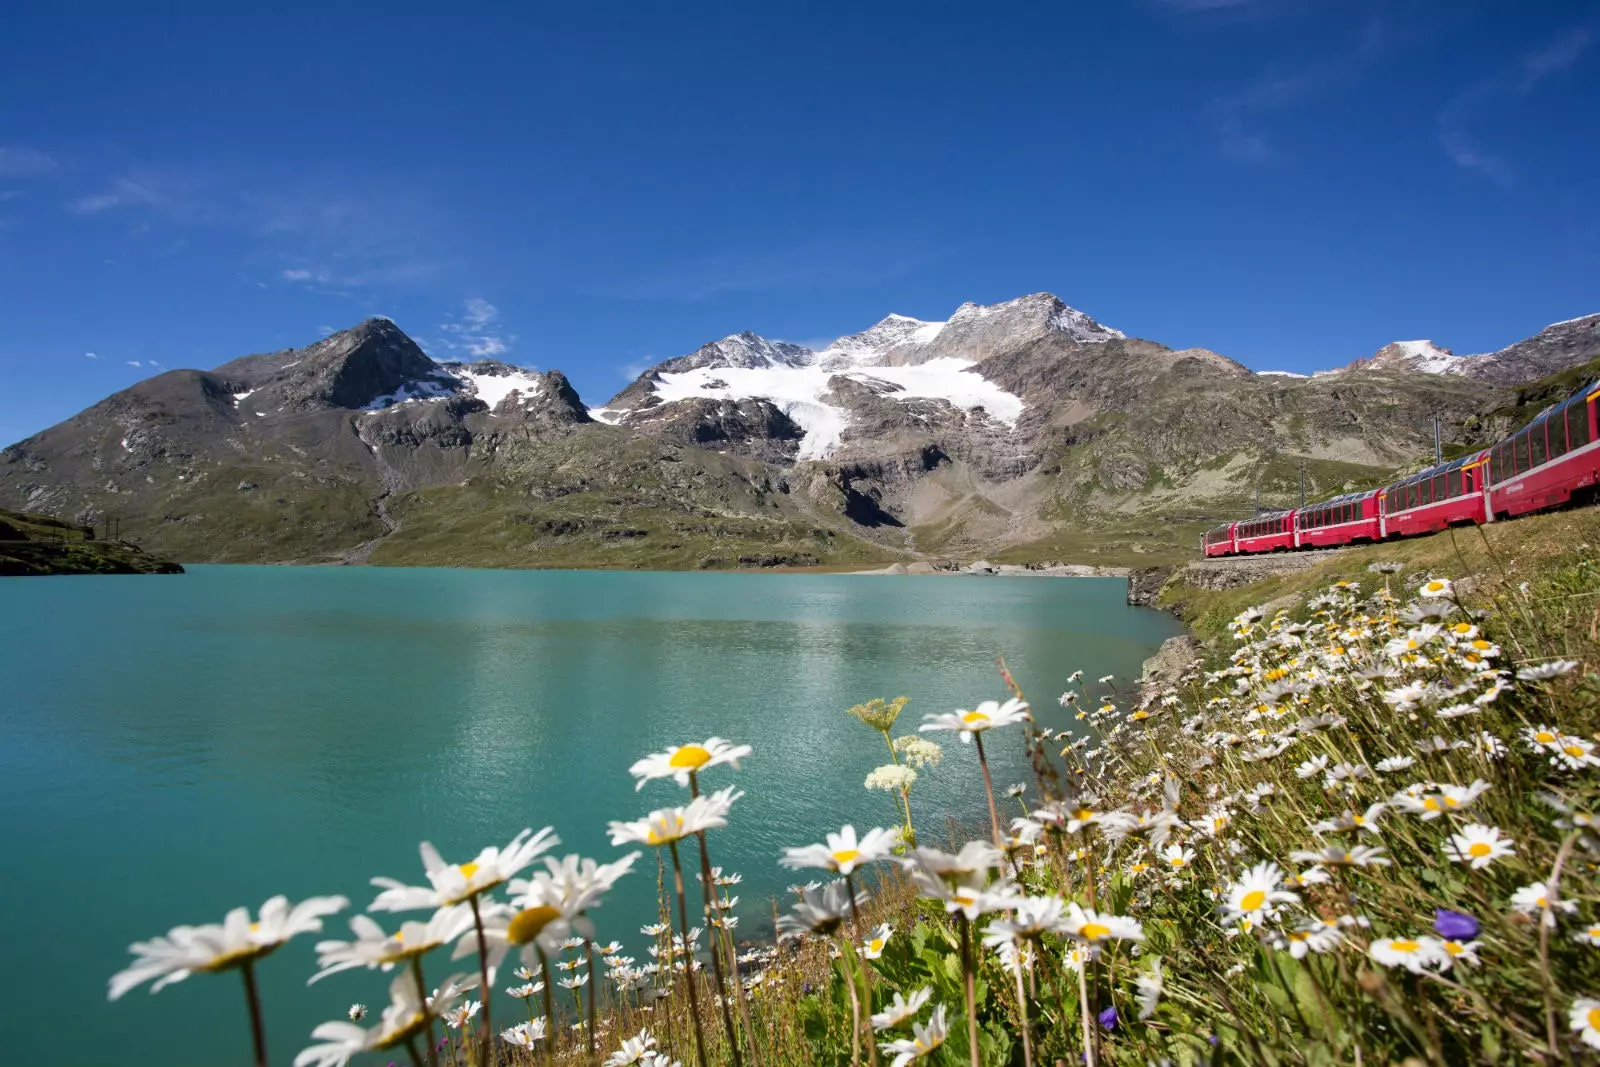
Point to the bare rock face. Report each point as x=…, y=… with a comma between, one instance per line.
x=755, y=428
x=977, y=332
x=1552, y=349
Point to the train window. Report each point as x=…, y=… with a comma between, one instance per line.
x=1438, y=487
x=1536, y=439
x=1578, y=423
x=1556, y=427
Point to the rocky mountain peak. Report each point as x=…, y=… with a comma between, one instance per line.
x=977, y=331
x=1423, y=356
x=1554, y=348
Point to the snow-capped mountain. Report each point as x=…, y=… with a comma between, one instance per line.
x=901, y=359
x=1556, y=347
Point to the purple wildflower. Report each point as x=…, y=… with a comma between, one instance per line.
x=1454, y=925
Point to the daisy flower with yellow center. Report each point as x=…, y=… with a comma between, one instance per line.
x=224, y=946
x=681, y=761
x=986, y=716
x=923, y=1040
x=1256, y=893
x=666, y=826
x=1177, y=857
x=374, y=948
x=1479, y=846
x=901, y=1008
x=873, y=947
x=1415, y=954
x=1584, y=1018
x=843, y=852
x=454, y=883
x=1095, y=927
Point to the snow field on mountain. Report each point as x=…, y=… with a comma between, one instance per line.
x=799, y=392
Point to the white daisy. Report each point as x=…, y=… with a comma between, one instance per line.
x=1479, y=845
x=374, y=948
x=924, y=1039
x=667, y=825
x=453, y=883
x=1535, y=899
x=1094, y=927
x=1255, y=893
x=681, y=761
x=901, y=1008
x=986, y=716
x=1584, y=1018
x=221, y=946
x=1544, y=671
x=843, y=852
x=1414, y=954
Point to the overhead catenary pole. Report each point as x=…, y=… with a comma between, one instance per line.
x=1438, y=451
x=1302, y=483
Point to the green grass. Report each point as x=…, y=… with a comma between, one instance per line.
x=33, y=544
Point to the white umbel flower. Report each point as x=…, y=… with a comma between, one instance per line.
x=221, y=946
x=891, y=777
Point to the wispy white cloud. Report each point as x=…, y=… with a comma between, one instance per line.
x=25, y=163
x=133, y=192
x=1242, y=119
x=475, y=333
x=296, y=274
x=1517, y=80
x=326, y=331
x=632, y=370
x=90, y=355
x=134, y=363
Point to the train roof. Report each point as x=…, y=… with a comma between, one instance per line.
x=1346, y=498
x=1455, y=464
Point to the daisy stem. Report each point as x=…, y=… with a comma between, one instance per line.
x=708, y=884
x=1552, y=888
x=256, y=1032
x=549, y=1004
x=422, y=997
x=1022, y=1009
x=483, y=976
x=411, y=1047
x=969, y=985
x=689, y=978
x=988, y=788
x=865, y=970
x=1083, y=1005
x=855, y=1015
x=588, y=948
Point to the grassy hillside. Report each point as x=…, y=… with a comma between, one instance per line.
x=39, y=545
x=1498, y=557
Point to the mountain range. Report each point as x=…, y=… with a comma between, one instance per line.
x=1024, y=430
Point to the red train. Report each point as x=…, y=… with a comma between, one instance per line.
x=1543, y=465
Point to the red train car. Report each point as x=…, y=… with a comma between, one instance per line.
x=1220, y=542
x=1447, y=495
x=1546, y=462
x=1273, y=532
x=1341, y=521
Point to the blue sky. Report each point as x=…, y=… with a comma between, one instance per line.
x=1290, y=182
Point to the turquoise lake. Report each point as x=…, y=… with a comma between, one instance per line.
x=171, y=747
